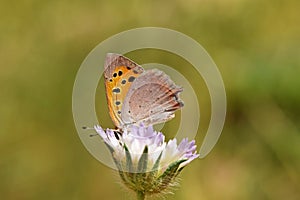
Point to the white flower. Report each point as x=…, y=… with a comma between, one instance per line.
x=146, y=163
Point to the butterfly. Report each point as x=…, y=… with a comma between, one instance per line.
x=135, y=95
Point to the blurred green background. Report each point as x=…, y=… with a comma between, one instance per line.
x=255, y=44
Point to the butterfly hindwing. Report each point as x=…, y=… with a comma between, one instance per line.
x=152, y=98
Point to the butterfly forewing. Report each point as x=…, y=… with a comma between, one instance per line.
x=119, y=74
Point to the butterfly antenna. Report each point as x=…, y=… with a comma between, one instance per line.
x=87, y=128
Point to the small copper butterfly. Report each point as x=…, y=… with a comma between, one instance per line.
x=135, y=95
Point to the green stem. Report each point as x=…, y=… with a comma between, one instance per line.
x=140, y=195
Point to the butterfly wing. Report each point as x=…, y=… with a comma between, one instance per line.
x=152, y=98
x=119, y=74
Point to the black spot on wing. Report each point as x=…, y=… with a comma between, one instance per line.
x=116, y=90
x=131, y=79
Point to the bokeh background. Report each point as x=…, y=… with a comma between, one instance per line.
x=254, y=43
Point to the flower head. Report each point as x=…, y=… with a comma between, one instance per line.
x=146, y=163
